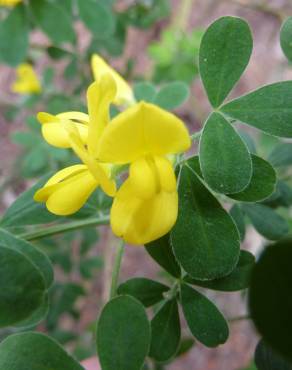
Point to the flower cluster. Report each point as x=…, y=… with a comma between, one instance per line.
x=142, y=136
x=9, y=2
x=27, y=81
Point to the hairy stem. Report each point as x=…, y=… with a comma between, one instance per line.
x=65, y=227
x=116, y=268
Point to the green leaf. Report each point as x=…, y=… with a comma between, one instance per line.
x=144, y=91
x=165, y=331
x=89, y=266
x=26, y=351
x=36, y=256
x=262, y=184
x=148, y=292
x=239, y=278
x=286, y=38
x=282, y=197
x=185, y=345
x=205, y=239
x=281, y=155
x=25, y=211
x=123, y=334
x=268, y=109
x=161, y=251
x=238, y=217
x=266, y=221
x=205, y=321
x=172, y=95
x=97, y=18
x=224, y=54
x=224, y=158
x=53, y=20
x=22, y=287
x=14, y=36
x=270, y=300
x=266, y=359
x=57, y=53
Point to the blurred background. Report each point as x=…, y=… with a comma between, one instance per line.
x=153, y=41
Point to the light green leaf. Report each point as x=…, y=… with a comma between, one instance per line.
x=22, y=287
x=161, y=251
x=224, y=54
x=172, y=95
x=97, y=18
x=144, y=91
x=53, y=20
x=268, y=109
x=148, y=292
x=36, y=256
x=266, y=221
x=286, y=38
x=14, y=36
x=27, y=351
x=239, y=278
x=205, y=321
x=270, y=299
x=262, y=184
x=224, y=158
x=165, y=331
x=123, y=334
x=205, y=239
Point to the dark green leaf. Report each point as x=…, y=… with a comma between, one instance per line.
x=286, y=38
x=165, y=331
x=37, y=257
x=238, y=217
x=270, y=300
x=123, y=334
x=185, y=345
x=172, y=95
x=89, y=266
x=148, y=292
x=268, y=109
x=97, y=18
x=239, y=278
x=205, y=239
x=57, y=53
x=144, y=91
x=281, y=155
x=266, y=359
x=262, y=184
x=37, y=316
x=27, y=351
x=266, y=221
x=224, y=54
x=161, y=251
x=224, y=158
x=25, y=211
x=53, y=20
x=282, y=197
x=22, y=287
x=205, y=321
x=14, y=36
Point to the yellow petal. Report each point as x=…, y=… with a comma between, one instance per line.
x=124, y=94
x=140, y=221
x=9, y=2
x=141, y=130
x=54, y=131
x=101, y=172
x=150, y=175
x=99, y=97
x=26, y=81
x=70, y=195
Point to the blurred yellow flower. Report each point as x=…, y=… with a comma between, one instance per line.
x=124, y=95
x=67, y=191
x=26, y=81
x=9, y=2
x=145, y=207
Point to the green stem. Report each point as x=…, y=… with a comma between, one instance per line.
x=65, y=227
x=116, y=268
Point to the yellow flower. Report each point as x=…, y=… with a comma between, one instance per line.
x=124, y=94
x=9, y=2
x=145, y=206
x=67, y=191
x=27, y=81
